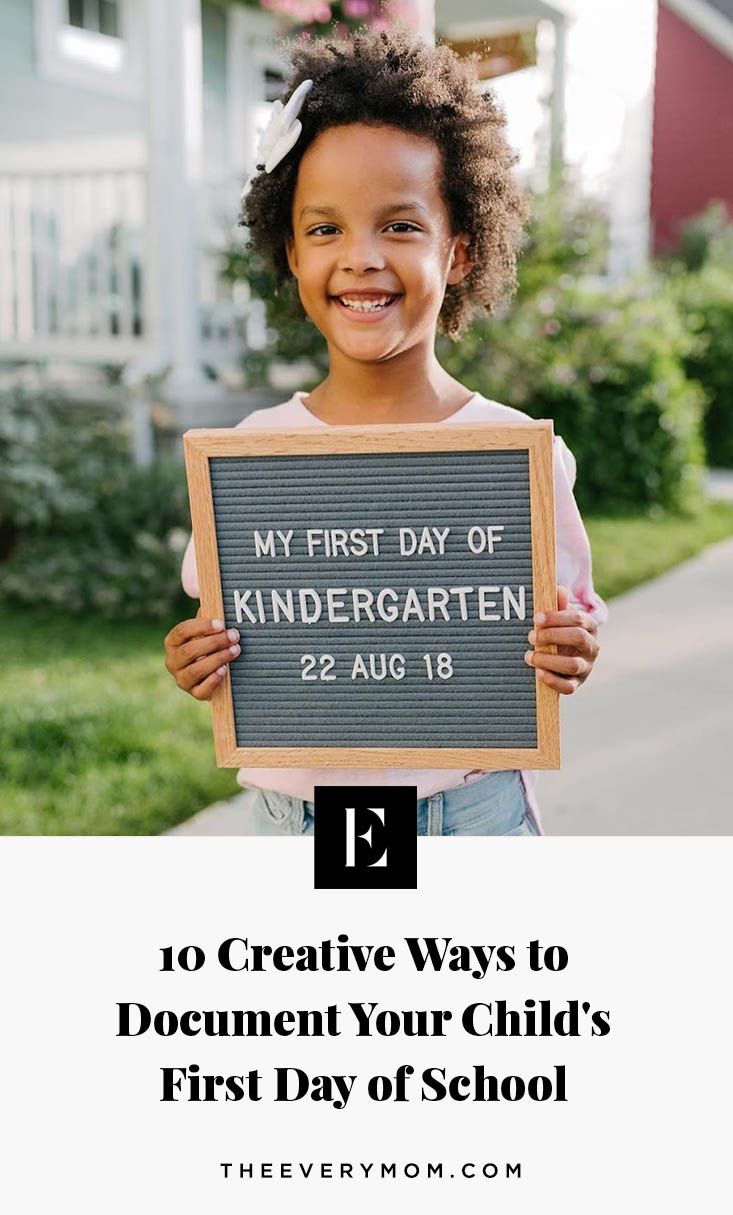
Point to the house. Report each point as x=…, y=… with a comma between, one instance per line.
x=128, y=127
x=584, y=95
x=692, y=161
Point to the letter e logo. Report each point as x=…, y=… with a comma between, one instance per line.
x=365, y=837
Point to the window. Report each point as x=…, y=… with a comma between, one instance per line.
x=255, y=78
x=92, y=43
x=101, y=16
x=274, y=84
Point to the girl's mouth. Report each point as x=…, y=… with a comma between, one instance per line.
x=366, y=309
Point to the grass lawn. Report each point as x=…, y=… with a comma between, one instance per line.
x=629, y=551
x=95, y=738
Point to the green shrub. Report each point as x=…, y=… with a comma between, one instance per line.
x=53, y=455
x=705, y=299
x=566, y=238
x=699, y=274
x=290, y=337
x=704, y=239
x=139, y=581
x=84, y=529
x=607, y=367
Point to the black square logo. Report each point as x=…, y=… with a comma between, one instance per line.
x=365, y=837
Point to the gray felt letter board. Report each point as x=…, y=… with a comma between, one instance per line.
x=383, y=580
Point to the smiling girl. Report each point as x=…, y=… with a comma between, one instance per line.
x=385, y=194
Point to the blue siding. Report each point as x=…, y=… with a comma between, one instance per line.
x=34, y=108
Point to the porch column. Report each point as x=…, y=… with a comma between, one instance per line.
x=552, y=59
x=630, y=184
x=175, y=138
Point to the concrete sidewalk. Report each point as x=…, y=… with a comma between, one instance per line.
x=648, y=743
x=235, y=816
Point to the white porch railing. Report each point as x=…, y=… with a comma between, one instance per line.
x=73, y=264
x=225, y=312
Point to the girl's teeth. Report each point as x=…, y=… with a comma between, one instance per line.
x=364, y=306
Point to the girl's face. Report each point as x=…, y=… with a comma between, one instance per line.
x=369, y=222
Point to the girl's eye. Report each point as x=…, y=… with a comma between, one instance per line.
x=398, y=223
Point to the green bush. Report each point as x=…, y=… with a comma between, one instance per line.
x=53, y=453
x=290, y=336
x=705, y=299
x=84, y=529
x=607, y=367
x=699, y=274
x=704, y=239
x=566, y=238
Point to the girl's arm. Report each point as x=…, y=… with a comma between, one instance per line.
x=189, y=576
x=574, y=563
x=197, y=651
x=573, y=627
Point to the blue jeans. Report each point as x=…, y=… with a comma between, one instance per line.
x=494, y=804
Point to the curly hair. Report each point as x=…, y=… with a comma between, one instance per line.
x=397, y=79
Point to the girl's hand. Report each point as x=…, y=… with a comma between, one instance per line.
x=196, y=654
x=574, y=632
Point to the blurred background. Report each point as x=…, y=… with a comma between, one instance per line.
x=131, y=309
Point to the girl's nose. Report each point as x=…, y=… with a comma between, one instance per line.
x=361, y=254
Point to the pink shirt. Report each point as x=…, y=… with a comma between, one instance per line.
x=573, y=571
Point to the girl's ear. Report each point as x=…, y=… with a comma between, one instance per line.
x=461, y=265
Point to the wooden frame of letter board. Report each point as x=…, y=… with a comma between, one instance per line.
x=532, y=436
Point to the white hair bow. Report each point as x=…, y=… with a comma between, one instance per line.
x=281, y=133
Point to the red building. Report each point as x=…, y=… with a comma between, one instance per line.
x=692, y=160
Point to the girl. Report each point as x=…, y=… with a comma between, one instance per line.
x=384, y=188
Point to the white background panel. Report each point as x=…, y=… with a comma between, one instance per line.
x=646, y=924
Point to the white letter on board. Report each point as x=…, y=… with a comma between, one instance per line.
x=362, y=600
x=438, y=599
x=520, y=609
x=375, y=533
x=461, y=592
x=389, y=614
x=266, y=547
x=334, y=600
x=283, y=606
x=314, y=536
x=492, y=538
x=317, y=605
x=285, y=538
x=412, y=607
x=407, y=536
x=484, y=604
x=240, y=607
x=441, y=535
